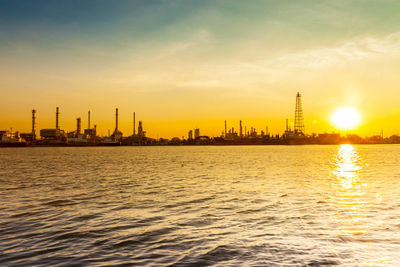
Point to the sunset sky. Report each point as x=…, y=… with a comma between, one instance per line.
x=186, y=64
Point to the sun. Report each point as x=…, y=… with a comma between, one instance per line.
x=345, y=118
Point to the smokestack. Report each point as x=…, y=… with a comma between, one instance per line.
x=88, y=124
x=134, y=122
x=78, y=125
x=225, y=128
x=116, y=119
x=241, y=128
x=287, y=124
x=57, y=116
x=33, y=124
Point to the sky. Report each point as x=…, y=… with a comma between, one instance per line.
x=185, y=64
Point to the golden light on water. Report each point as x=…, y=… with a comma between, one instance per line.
x=349, y=193
x=354, y=203
x=346, y=118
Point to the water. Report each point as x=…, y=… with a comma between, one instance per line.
x=198, y=206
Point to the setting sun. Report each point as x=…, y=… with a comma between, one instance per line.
x=345, y=118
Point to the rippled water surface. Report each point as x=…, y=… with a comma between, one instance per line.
x=198, y=206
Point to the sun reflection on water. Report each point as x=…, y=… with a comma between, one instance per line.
x=349, y=191
x=354, y=204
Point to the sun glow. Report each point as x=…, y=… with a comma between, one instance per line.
x=345, y=118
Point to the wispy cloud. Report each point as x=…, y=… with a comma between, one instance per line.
x=318, y=59
x=172, y=49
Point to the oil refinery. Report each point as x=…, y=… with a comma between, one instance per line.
x=245, y=135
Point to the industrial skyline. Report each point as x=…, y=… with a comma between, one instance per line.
x=245, y=134
x=227, y=133
x=295, y=124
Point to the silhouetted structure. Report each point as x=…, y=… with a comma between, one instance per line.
x=116, y=120
x=225, y=129
x=78, y=126
x=298, y=117
x=88, y=124
x=117, y=134
x=57, y=118
x=53, y=136
x=140, y=129
x=291, y=136
x=89, y=131
x=134, y=122
x=33, y=124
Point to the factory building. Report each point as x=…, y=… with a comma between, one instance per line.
x=90, y=132
x=53, y=136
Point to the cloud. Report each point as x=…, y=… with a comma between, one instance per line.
x=273, y=69
x=200, y=37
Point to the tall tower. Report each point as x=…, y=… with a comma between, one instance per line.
x=88, y=124
x=225, y=128
x=298, y=116
x=33, y=124
x=57, y=117
x=134, y=122
x=241, y=128
x=78, y=125
x=116, y=120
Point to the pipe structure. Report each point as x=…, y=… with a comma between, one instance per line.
x=225, y=128
x=78, y=125
x=57, y=118
x=33, y=124
x=88, y=125
x=116, y=119
x=134, y=122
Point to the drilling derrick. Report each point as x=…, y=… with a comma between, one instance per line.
x=298, y=117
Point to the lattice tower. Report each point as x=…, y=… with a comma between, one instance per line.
x=298, y=116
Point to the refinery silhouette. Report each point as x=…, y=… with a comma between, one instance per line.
x=246, y=136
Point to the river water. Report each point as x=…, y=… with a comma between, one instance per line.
x=199, y=206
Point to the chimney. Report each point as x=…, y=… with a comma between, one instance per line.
x=116, y=119
x=57, y=116
x=33, y=124
x=88, y=124
x=134, y=122
x=78, y=125
x=225, y=128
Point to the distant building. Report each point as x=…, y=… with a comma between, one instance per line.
x=190, y=135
